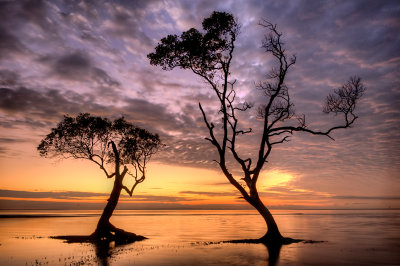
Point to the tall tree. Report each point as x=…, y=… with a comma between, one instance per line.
x=209, y=54
x=118, y=147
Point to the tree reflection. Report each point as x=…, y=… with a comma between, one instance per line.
x=104, y=250
x=273, y=253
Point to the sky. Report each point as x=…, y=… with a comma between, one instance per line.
x=67, y=57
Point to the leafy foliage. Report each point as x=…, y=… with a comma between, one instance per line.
x=202, y=52
x=89, y=137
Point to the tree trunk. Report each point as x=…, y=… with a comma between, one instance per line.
x=104, y=226
x=105, y=231
x=273, y=235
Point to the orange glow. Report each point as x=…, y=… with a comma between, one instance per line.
x=165, y=184
x=56, y=200
x=275, y=178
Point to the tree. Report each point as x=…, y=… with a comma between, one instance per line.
x=209, y=54
x=118, y=147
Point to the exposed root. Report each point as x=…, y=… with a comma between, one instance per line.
x=105, y=234
x=110, y=233
x=266, y=241
x=270, y=240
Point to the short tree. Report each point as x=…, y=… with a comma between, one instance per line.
x=208, y=54
x=118, y=147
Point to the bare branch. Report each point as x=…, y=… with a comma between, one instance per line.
x=130, y=192
x=343, y=101
x=278, y=108
x=243, y=131
x=280, y=141
x=210, y=127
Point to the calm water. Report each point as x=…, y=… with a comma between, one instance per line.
x=361, y=237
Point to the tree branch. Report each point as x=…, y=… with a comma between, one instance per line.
x=116, y=157
x=101, y=165
x=137, y=182
x=210, y=127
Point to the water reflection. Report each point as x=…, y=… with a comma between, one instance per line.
x=103, y=251
x=273, y=253
x=177, y=238
x=106, y=250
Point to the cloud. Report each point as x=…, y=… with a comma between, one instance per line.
x=9, y=43
x=50, y=205
x=290, y=193
x=210, y=193
x=156, y=198
x=8, y=78
x=24, y=24
x=367, y=197
x=81, y=195
x=34, y=11
x=11, y=140
x=53, y=195
x=79, y=66
x=43, y=106
x=72, y=65
x=126, y=21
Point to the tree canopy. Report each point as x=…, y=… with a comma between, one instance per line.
x=206, y=54
x=104, y=142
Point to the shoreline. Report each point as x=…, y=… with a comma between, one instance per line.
x=4, y=216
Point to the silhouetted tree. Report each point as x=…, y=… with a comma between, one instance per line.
x=118, y=147
x=209, y=54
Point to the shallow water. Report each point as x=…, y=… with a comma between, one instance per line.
x=352, y=237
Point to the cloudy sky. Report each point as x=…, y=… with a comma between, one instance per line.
x=66, y=57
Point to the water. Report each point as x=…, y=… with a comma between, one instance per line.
x=351, y=237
